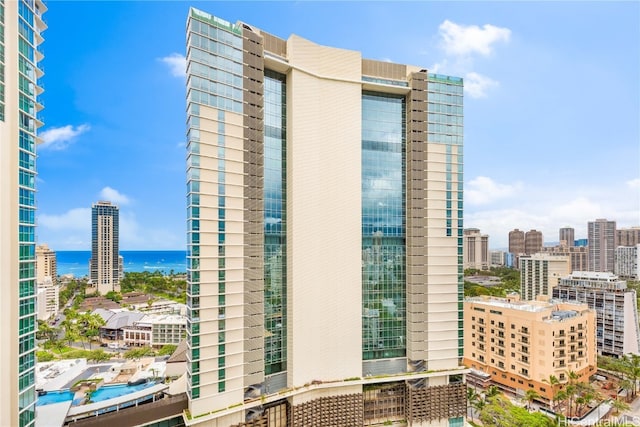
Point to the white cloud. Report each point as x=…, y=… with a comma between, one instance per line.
x=77, y=219
x=483, y=190
x=59, y=138
x=462, y=44
x=71, y=230
x=634, y=184
x=177, y=64
x=462, y=40
x=476, y=85
x=534, y=206
x=112, y=195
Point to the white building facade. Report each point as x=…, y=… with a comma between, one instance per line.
x=628, y=262
x=617, y=331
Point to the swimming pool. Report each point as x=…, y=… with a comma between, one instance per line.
x=110, y=391
x=55, y=397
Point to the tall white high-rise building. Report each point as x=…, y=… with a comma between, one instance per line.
x=617, y=330
x=628, y=262
x=540, y=273
x=322, y=287
x=21, y=28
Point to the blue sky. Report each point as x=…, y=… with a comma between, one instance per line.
x=552, y=106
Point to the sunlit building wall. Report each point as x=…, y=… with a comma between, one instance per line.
x=476, y=249
x=617, y=330
x=21, y=28
x=46, y=264
x=540, y=273
x=628, y=262
x=313, y=255
x=520, y=344
x=105, y=267
x=602, y=245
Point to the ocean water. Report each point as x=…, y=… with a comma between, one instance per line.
x=77, y=262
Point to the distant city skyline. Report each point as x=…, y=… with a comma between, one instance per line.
x=551, y=107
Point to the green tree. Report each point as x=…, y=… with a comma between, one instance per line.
x=529, y=396
x=500, y=412
x=44, y=356
x=571, y=390
x=554, y=382
x=472, y=398
x=167, y=349
x=619, y=406
x=89, y=326
x=114, y=296
x=626, y=385
x=99, y=355
x=631, y=363
x=137, y=353
x=492, y=391
x=71, y=331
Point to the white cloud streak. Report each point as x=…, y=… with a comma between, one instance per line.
x=114, y=196
x=477, y=85
x=483, y=190
x=531, y=206
x=177, y=64
x=461, y=44
x=59, y=138
x=461, y=40
x=77, y=219
x=634, y=184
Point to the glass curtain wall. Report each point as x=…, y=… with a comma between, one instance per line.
x=275, y=260
x=383, y=226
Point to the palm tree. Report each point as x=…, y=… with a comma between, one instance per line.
x=530, y=395
x=633, y=370
x=626, y=385
x=586, y=394
x=71, y=332
x=492, y=391
x=479, y=405
x=559, y=397
x=571, y=389
x=472, y=399
x=619, y=406
x=554, y=382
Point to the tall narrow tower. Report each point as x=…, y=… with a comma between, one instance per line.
x=567, y=235
x=533, y=242
x=602, y=245
x=105, y=247
x=316, y=265
x=21, y=28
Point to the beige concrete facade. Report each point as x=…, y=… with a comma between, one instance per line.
x=48, y=299
x=521, y=343
x=324, y=153
x=602, y=244
x=46, y=265
x=540, y=273
x=326, y=375
x=476, y=249
x=628, y=236
x=577, y=254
